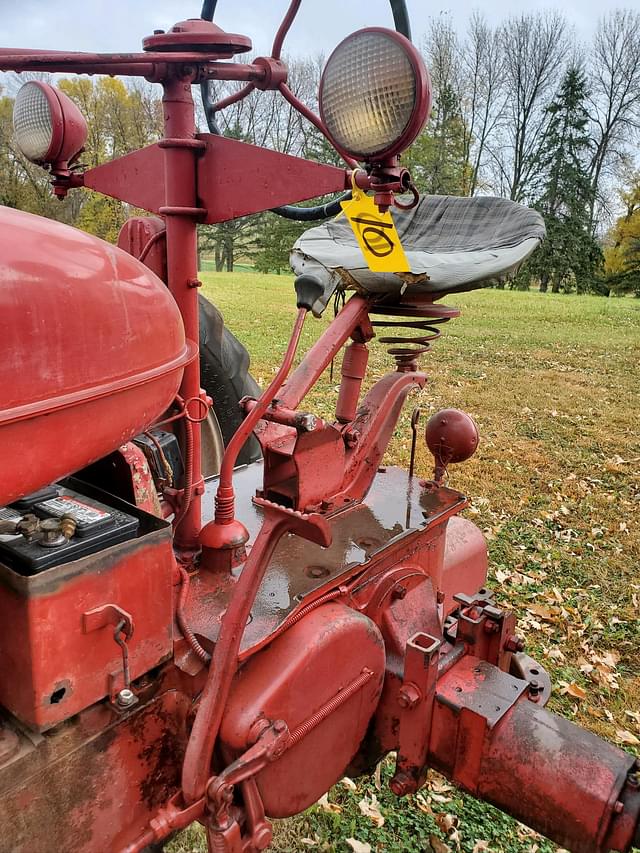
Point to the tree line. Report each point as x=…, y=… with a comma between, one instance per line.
x=521, y=110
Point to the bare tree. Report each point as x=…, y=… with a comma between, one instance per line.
x=615, y=96
x=483, y=95
x=534, y=47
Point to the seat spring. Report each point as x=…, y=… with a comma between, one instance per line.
x=426, y=319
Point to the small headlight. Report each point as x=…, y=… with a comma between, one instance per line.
x=48, y=126
x=33, y=122
x=375, y=94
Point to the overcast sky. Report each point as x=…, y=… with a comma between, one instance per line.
x=119, y=25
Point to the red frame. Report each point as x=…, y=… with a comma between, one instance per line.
x=422, y=105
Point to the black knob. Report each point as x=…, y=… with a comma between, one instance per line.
x=308, y=291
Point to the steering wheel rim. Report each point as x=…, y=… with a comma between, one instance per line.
x=294, y=211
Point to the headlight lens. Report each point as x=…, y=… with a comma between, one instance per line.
x=370, y=90
x=33, y=122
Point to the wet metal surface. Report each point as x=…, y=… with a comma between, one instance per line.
x=396, y=507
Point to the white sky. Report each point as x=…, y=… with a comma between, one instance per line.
x=120, y=25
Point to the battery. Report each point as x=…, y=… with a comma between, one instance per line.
x=97, y=526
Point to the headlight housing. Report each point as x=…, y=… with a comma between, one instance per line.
x=375, y=94
x=47, y=125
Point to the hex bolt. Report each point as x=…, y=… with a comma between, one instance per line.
x=514, y=644
x=125, y=698
x=402, y=784
x=398, y=591
x=409, y=696
x=491, y=627
x=618, y=807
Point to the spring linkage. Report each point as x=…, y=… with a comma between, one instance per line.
x=407, y=349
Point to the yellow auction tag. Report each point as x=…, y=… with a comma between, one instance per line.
x=376, y=234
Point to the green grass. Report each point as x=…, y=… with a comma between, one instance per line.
x=553, y=384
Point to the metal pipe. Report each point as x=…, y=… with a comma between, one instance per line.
x=182, y=271
x=224, y=497
x=324, y=351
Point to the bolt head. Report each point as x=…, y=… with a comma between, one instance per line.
x=409, y=696
x=402, y=784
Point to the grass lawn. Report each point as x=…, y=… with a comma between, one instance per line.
x=553, y=384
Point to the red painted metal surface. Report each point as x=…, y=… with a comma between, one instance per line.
x=292, y=679
x=490, y=738
x=354, y=623
x=94, y=338
x=57, y=660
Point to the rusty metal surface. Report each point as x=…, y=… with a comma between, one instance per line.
x=91, y=785
x=63, y=669
x=395, y=512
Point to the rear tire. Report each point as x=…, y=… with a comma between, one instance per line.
x=224, y=372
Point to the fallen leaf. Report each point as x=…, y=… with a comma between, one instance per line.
x=573, y=689
x=438, y=845
x=623, y=736
x=480, y=846
x=348, y=783
x=422, y=805
x=446, y=822
x=371, y=808
x=324, y=803
x=377, y=776
x=358, y=846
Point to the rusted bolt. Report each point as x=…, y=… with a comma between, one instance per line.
x=125, y=698
x=279, y=726
x=350, y=436
x=633, y=779
x=535, y=689
x=409, y=696
x=398, y=591
x=514, y=644
x=402, y=784
x=306, y=421
x=316, y=571
x=618, y=807
x=491, y=627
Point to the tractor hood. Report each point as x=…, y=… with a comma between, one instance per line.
x=93, y=350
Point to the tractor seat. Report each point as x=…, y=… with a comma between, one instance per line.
x=452, y=245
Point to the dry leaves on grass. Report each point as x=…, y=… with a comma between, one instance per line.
x=572, y=689
x=623, y=736
x=358, y=846
x=370, y=807
x=324, y=803
x=438, y=845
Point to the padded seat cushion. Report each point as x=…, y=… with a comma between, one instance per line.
x=452, y=244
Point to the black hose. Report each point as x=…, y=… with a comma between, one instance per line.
x=294, y=211
x=208, y=10
x=401, y=17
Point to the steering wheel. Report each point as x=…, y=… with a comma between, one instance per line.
x=290, y=211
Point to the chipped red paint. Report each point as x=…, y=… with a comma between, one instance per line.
x=336, y=609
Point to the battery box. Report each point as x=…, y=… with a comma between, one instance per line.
x=96, y=526
x=61, y=602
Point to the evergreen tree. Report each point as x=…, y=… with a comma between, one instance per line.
x=562, y=192
x=436, y=159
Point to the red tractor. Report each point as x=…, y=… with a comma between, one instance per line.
x=176, y=647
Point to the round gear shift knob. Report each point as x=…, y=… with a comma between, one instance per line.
x=451, y=436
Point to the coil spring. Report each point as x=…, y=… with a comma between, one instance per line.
x=407, y=349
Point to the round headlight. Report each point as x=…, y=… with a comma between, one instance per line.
x=375, y=94
x=47, y=125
